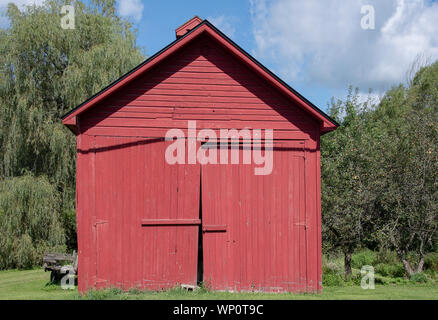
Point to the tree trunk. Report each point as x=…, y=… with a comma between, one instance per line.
x=407, y=266
x=420, y=264
x=347, y=263
x=402, y=256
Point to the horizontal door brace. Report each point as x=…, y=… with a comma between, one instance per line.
x=170, y=222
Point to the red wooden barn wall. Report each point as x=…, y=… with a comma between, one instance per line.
x=127, y=193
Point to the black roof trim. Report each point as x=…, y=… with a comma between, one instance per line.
x=133, y=70
x=272, y=74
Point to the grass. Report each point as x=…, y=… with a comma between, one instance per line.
x=34, y=284
x=31, y=284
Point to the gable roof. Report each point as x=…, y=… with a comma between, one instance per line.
x=327, y=124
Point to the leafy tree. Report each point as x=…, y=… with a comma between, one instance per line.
x=406, y=180
x=380, y=173
x=346, y=164
x=46, y=71
x=423, y=92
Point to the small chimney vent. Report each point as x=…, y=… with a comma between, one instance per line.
x=186, y=27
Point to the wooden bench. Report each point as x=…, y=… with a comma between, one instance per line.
x=60, y=264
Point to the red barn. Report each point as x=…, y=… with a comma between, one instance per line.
x=144, y=221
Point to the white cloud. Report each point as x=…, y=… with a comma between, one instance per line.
x=224, y=24
x=4, y=21
x=131, y=9
x=127, y=8
x=322, y=42
x=368, y=98
x=20, y=3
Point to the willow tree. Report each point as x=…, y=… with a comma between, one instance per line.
x=30, y=221
x=47, y=70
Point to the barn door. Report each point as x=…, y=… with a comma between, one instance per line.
x=170, y=224
x=255, y=226
x=147, y=215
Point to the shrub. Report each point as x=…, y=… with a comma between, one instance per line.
x=379, y=279
x=390, y=270
x=332, y=271
x=419, y=278
x=364, y=257
x=431, y=261
x=332, y=265
x=431, y=274
x=332, y=279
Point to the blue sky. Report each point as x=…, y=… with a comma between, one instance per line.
x=156, y=29
x=161, y=18
x=317, y=46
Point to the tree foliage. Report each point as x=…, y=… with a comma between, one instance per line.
x=29, y=221
x=379, y=169
x=346, y=163
x=47, y=71
x=380, y=173
x=406, y=175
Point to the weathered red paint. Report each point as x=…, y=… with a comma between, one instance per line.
x=265, y=245
x=139, y=218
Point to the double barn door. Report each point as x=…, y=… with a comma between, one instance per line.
x=159, y=225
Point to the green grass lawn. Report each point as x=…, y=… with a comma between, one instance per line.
x=34, y=284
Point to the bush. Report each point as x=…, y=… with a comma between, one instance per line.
x=431, y=261
x=333, y=272
x=419, y=278
x=431, y=274
x=331, y=279
x=390, y=270
x=379, y=279
x=364, y=257
x=333, y=264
